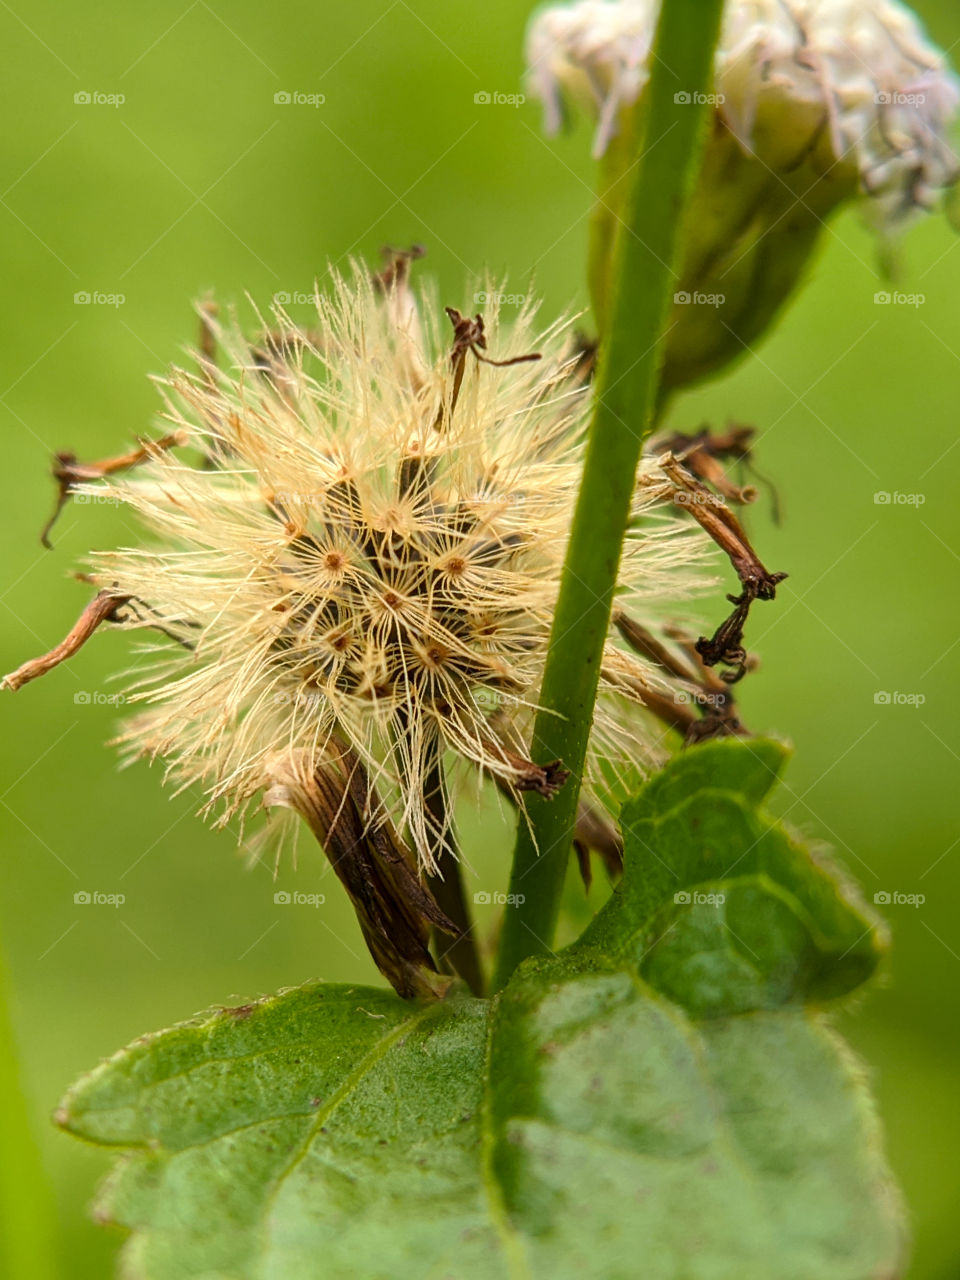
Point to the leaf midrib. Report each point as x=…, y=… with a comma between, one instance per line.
x=340, y=1094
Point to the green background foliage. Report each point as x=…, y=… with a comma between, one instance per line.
x=200, y=182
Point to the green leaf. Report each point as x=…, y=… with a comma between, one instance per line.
x=657, y=1100
x=719, y=908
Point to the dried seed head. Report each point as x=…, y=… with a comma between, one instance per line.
x=366, y=557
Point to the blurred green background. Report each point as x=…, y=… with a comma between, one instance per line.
x=199, y=181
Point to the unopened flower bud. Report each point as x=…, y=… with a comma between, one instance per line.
x=813, y=104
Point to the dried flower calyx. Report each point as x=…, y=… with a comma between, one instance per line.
x=395, y=910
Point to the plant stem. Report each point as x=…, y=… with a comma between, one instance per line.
x=648, y=245
x=447, y=888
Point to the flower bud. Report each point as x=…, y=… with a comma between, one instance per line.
x=812, y=105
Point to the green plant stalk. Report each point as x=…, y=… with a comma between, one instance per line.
x=647, y=252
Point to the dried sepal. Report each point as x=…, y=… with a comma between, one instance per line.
x=394, y=908
x=700, y=704
x=704, y=454
x=104, y=607
x=69, y=472
x=725, y=646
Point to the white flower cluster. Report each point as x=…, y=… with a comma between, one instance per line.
x=861, y=71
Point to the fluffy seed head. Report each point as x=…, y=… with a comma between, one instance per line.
x=362, y=555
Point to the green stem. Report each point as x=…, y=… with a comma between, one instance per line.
x=644, y=279
x=447, y=888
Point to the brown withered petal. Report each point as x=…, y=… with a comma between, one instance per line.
x=394, y=909
x=596, y=832
x=707, y=708
x=725, y=646
x=705, y=453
